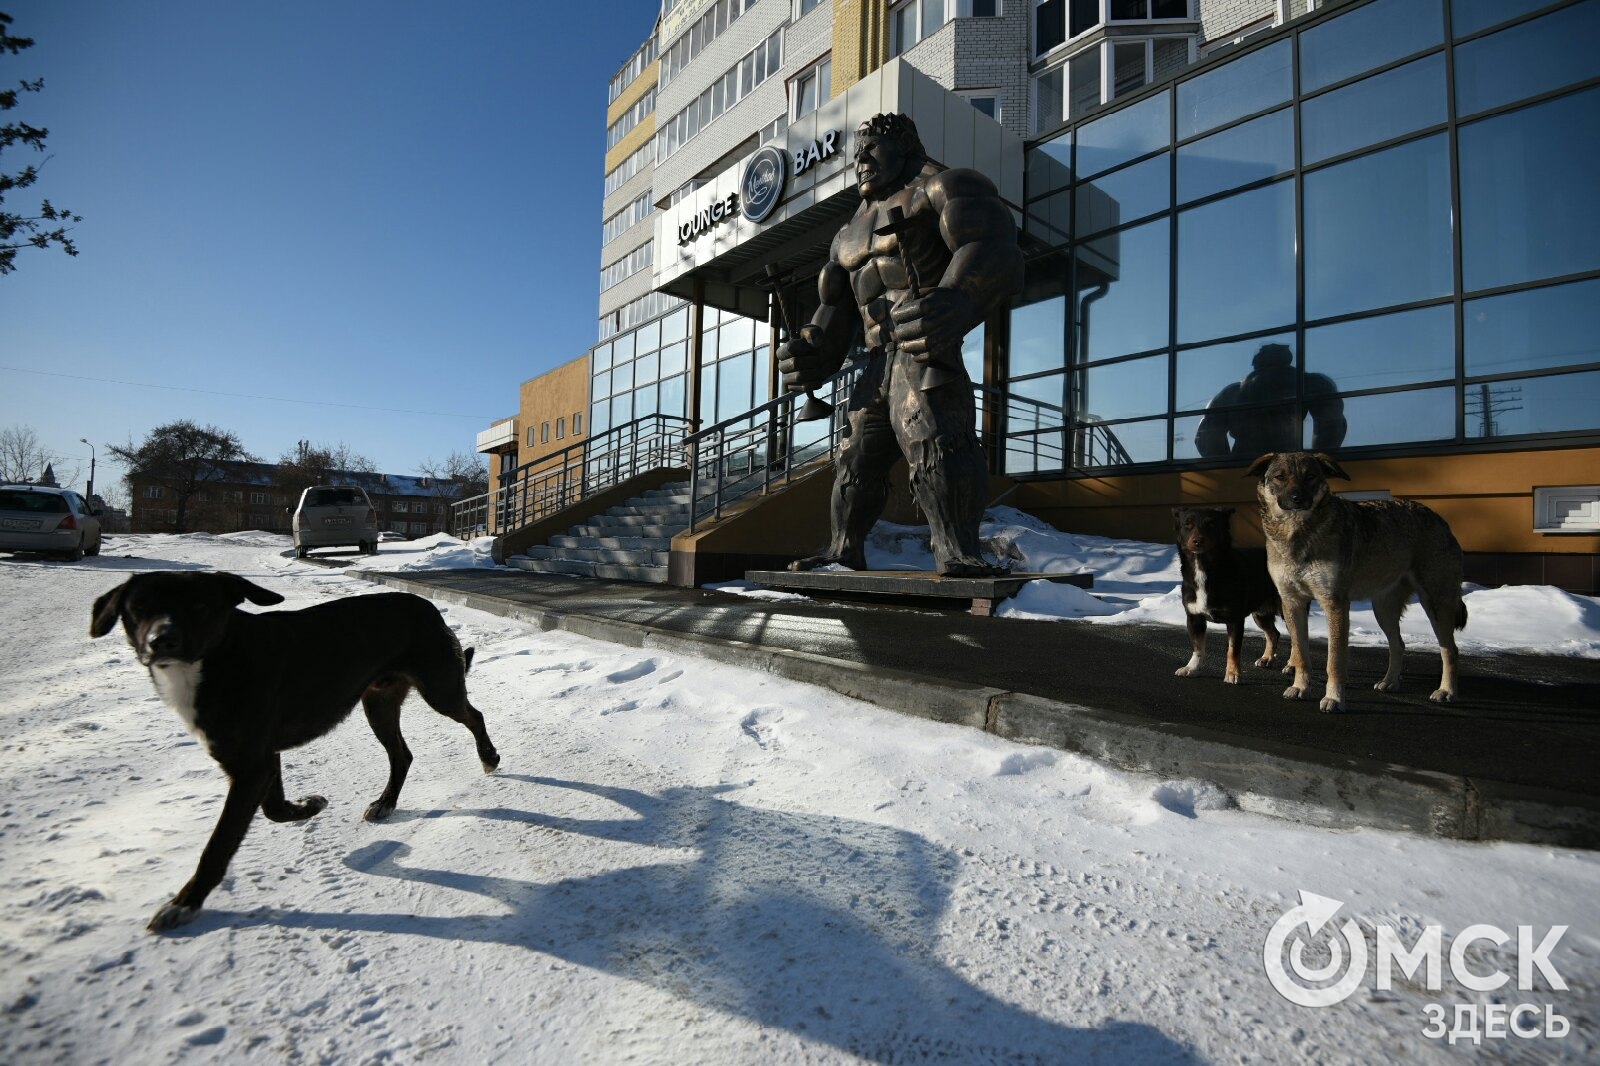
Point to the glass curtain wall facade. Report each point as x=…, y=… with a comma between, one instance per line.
x=645, y=371
x=1375, y=231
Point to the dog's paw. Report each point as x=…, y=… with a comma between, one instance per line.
x=1294, y=692
x=313, y=805
x=1442, y=695
x=1330, y=705
x=379, y=810
x=1387, y=686
x=1230, y=678
x=1264, y=662
x=171, y=915
x=491, y=765
x=1186, y=671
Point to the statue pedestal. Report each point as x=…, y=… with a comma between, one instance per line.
x=981, y=593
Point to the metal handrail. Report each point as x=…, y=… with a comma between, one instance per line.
x=763, y=447
x=541, y=487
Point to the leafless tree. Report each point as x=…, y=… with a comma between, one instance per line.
x=22, y=457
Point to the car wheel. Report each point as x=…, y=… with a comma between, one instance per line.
x=94, y=550
x=76, y=553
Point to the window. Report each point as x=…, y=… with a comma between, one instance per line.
x=1057, y=21
x=561, y=428
x=153, y=492
x=577, y=423
x=532, y=437
x=625, y=219
x=811, y=88
x=914, y=21
x=400, y=507
x=259, y=498
x=743, y=78
x=807, y=5
x=986, y=101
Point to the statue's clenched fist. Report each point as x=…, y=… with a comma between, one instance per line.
x=802, y=362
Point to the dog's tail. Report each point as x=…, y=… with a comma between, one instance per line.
x=466, y=655
x=1461, y=620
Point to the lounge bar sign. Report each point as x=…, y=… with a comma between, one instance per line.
x=707, y=217
x=760, y=186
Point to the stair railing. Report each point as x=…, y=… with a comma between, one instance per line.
x=539, y=488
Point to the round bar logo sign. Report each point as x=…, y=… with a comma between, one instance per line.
x=762, y=184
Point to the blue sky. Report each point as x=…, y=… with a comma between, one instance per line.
x=393, y=209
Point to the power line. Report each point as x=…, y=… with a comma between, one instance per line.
x=244, y=395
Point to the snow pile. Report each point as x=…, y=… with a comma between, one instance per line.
x=679, y=861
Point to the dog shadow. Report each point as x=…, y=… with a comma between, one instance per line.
x=822, y=926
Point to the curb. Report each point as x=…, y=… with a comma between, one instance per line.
x=1281, y=780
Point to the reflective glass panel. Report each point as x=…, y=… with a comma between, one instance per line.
x=674, y=396
x=1038, y=336
x=602, y=384
x=599, y=418
x=1375, y=109
x=1036, y=451
x=1050, y=164
x=1083, y=83
x=1124, y=136
x=1237, y=372
x=644, y=400
x=1470, y=16
x=1251, y=83
x=1124, y=390
x=622, y=348
x=1400, y=417
x=648, y=337
x=1559, y=403
x=1538, y=329
x=622, y=409
x=1050, y=389
x=1378, y=230
x=972, y=353
x=1528, y=203
x=1124, y=195
x=674, y=357
x=708, y=396
x=734, y=381
x=1236, y=264
x=1377, y=353
x=1050, y=219
x=1367, y=37
x=761, y=364
x=1528, y=59
x=1183, y=437
x=646, y=368
x=1122, y=291
x=675, y=327
x=1124, y=442
x=738, y=335
x=1258, y=149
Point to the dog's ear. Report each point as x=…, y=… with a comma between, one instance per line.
x=248, y=590
x=1259, y=467
x=1329, y=467
x=104, y=613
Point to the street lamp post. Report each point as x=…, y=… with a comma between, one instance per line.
x=90, y=493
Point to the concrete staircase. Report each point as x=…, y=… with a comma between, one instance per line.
x=627, y=543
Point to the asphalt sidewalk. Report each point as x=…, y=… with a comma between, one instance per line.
x=1517, y=758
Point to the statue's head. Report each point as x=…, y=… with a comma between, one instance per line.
x=888, y=153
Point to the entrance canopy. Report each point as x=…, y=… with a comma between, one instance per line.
x=783, y=204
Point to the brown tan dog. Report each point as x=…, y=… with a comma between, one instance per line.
x=1333, y=551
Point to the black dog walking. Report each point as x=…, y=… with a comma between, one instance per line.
x=1222, y=584
x=250, y=686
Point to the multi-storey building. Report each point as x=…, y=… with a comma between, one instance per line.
x=1367, y=223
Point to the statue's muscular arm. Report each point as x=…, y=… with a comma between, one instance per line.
x=819, y=349
x=985, y=267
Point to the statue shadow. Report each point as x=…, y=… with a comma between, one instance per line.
x=825, y=927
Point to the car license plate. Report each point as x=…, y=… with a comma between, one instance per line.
x=19, y=523
x=336, y=521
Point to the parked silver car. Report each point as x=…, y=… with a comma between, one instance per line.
x=335, y=516
x=37, y=518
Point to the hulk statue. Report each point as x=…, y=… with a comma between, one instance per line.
x=928, y=255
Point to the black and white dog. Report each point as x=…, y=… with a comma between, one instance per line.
x=252, y=685
x=1222, y=584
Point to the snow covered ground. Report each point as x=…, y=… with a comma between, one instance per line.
x=684, y=862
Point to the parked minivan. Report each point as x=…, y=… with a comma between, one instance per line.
x=331, y=516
